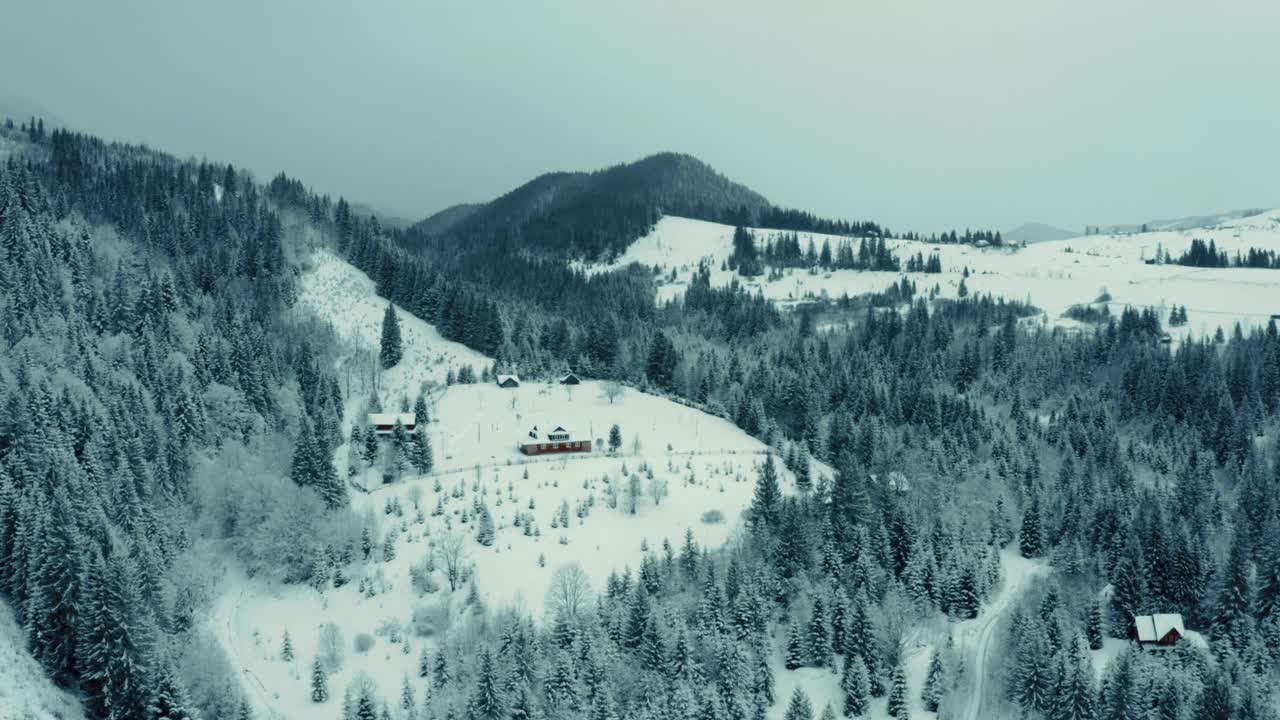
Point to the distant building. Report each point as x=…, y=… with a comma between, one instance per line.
x=898, y=482
x=508, y=381
x=385, y=423
x=556, y=439
x=570, y=379
x=1158, y=631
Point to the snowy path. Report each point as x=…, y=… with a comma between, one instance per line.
x=981, y=632
x=223, y=619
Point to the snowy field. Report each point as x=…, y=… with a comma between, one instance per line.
x=25, y=689
x=1051, y=275
x=699, y=464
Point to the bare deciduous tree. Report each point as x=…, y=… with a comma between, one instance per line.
x=633, y=493
x=570, y=591
x=657, y=489
x=453, y=551
x=329, y=649
x=612, y=390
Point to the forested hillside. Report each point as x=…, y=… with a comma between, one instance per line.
x=159, y=409
x=141, y=301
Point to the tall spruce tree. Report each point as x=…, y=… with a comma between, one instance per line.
x=390, y=349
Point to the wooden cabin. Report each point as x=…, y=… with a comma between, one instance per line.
x=385, y=423
x=570, y=379
x=1161, y=630
x=508, y=381
x=555, y=439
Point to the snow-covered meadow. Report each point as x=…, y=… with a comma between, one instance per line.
x=686, y=471
x=1053, y=275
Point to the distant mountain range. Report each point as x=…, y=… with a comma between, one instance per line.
x=1031, y=233
x=1191, y=222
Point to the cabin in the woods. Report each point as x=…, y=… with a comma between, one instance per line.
x=508, y=381
x=1158, y=631
x=551, y=439
x=385, y=423
x=570, y=379
x=898, y=482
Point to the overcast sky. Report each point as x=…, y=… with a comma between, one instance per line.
x=922, y=114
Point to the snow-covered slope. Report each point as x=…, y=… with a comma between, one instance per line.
x=25, y=689
x=706, y=465
x=336, y=292
x=1053, y=275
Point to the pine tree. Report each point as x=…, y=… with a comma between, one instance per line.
x=390, y=350
x=615, y=438
x=489, y=699
x=407, y=702
x=1093, y=626
x=286, y=648
x=767, y=499
x=1030, y=542
x=855, y=686
x=1073, y=698
x=799, y=708
x=819, y=638
x=304, y=469
x=1233, y=600
x=897, y=706
x=389, y=547
x=935, y=683
x=171, y=700
x=319, y=683
x=484, y=527
x=796, y=650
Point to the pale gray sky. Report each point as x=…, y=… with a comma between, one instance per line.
x=919, y=113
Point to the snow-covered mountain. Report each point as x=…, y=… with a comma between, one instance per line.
x=1031, y=233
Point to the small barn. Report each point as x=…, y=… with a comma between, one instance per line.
x=385, y=423
x=553, y=439
x=508, y=381
x=1161, y=630
x=570, y=379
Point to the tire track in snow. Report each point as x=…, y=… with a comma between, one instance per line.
x=979, y=659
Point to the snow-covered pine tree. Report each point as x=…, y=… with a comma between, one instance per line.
x=286, y=647
x=1030, y=541
x=897, y=705
x=796, y=650
x=1093, y=626
x=818, y=637
x=935, y=683
x=319, y=683
x=171, y=701
x=767, y=498
x=484, y=527
x=856, y=687
x=488, y=700
x=390, y=349
x=799, y=708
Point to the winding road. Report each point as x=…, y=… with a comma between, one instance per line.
x=981, y=641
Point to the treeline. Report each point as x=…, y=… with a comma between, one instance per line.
x=1202, y=254
x=750, y=258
